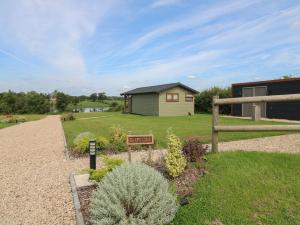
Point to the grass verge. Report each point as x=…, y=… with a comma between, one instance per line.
x=246, y=188
x=29, y=117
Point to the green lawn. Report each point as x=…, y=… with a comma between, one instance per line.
x=183, y=126
x=91, y=104
x=29, y=117
x=246, y=188
x=88, y=104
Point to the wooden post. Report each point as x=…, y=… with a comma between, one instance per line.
x=256, y=112
x=215, y=121
x=150, y=154
x=125, y=105
x=129, y=154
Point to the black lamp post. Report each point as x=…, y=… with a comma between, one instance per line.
x=92, y=147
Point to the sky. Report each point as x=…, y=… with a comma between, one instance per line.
x=81, y=47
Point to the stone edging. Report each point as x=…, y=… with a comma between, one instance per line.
x=79, y=217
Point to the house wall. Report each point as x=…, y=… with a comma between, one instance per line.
x=145, y=104
x=278, y=110
x=179, y=108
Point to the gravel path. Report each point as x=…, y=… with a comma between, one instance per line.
x=35, y=175
x=284, y=143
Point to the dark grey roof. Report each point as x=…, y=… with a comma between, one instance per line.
x=157, y=89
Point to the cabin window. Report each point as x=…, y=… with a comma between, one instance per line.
x=189, y=98
x=172, y=97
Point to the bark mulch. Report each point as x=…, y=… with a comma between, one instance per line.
x=84, y=194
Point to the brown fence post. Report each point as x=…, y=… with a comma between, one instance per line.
x=215, y=121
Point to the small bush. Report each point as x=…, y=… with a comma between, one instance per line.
x=102, y=143
x=175, y=161
x=193, y=149
x=109, y=165
x=133, y=194
x=14, y=119
x=81, y=142
x=118, y=139
x=111, y=162
x=98, y=174
x=68, y=117
x=20, y=119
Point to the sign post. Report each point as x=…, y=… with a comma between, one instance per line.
x=92, y=148
x=140, y=140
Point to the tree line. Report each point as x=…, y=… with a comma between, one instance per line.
x=33, y=102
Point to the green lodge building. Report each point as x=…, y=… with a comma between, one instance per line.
x=174, y=99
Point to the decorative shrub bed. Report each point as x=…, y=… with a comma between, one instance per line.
x=133, y=193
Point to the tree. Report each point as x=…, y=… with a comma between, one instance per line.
x=62, y=100
x=102, y=96
x=286, y=76
x=203, y=100
x=94, y=97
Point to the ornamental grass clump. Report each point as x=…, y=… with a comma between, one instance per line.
x=175, y=160
x=81, y=142
x=133, y=194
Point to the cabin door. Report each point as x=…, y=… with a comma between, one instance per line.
x=247, y=108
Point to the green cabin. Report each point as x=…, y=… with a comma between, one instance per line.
x=175, y=99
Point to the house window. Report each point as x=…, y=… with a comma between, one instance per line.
x=172, y=97
x=189, y=98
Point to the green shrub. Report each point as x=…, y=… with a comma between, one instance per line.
x=102, y=142
x=175, y=161
x=117, y=139
x=98, y=174
x=109, y=165
x=20, y=119
x=14, y=119
x=111, y=162
x=81, y=142
x=68, y=117
x=133, y=194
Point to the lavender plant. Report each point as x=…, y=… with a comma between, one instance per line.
x=133, y=194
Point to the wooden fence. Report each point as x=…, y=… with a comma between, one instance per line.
x=216, y=128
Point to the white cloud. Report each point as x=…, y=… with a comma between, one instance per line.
x=191, y=77
x=13, y=56
x=170, y=70
x=194, y=20
x=52, y=30
x=164, y=3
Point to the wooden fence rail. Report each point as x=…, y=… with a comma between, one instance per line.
x=216, y=128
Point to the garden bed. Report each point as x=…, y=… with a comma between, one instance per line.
x=84, y=194
x=183, y=185
x=238, y=188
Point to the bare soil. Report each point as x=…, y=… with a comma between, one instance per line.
x=84, y=194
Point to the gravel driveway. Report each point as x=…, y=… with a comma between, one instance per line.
x=34, y=175
x=284, y=143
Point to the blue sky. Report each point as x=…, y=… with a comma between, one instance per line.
x=84, y=46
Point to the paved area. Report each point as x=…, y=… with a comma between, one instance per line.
x=284, y=143
x=34, y=175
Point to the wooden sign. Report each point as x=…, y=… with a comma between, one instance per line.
x=140, y=139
